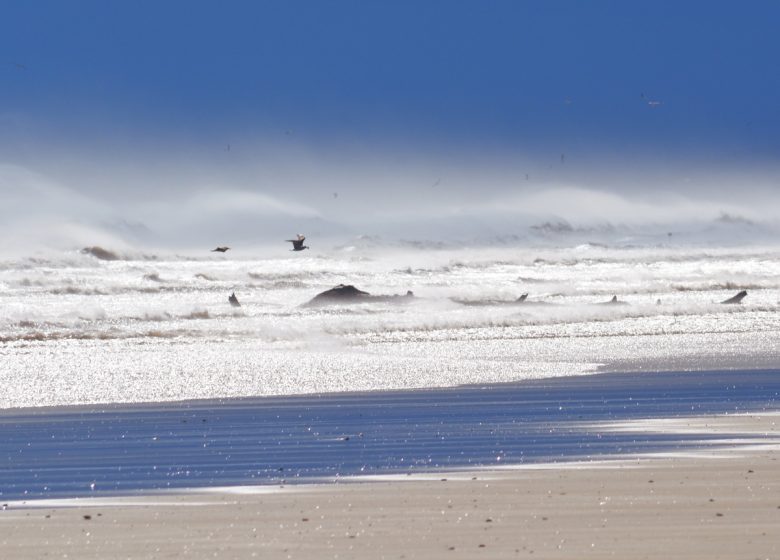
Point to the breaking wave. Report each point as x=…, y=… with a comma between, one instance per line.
x=464, y=297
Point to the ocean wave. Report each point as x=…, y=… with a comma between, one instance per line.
x=278, y=284
x=297, y=276
x=723, y=286
x=53, y=336
x=508, y=315
x=156, y=285
x=527, y=328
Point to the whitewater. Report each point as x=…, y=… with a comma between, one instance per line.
x=133, y=327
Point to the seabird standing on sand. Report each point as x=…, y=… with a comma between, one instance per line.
x=298, y=243
x=220, y=249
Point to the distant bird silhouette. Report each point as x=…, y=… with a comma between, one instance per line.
x=651, y=102
x=220, y=249
x=298, y=243
x=233, y=300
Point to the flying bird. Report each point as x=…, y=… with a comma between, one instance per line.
x=651, y=102
x=298, y=243
x=220, y=249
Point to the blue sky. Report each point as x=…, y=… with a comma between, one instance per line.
x=480, y=75
x=463, y=102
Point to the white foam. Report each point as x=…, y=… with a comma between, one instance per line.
x=75, y=329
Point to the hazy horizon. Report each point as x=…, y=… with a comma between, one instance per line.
x=189, y=124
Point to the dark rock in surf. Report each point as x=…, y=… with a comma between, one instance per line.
x=342, y=292
x=233, y=300
x=736, y=299
x=346, y=294
x=100, y=253
x=613, y=301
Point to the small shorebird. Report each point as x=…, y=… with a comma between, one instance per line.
x=298, y=243
x=220, y=249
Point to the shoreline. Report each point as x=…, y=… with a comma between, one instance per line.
x=111, y=450
x=713, y=505
x=165, y=371
x=600, y=371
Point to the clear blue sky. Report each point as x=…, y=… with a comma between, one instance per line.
x=480, y=75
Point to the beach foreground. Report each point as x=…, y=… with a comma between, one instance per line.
x=702, y=504
x=674, y=465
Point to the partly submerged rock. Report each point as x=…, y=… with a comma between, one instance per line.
x=346, y=294
x=100, y=253
x=613, y=301
x=737, y=298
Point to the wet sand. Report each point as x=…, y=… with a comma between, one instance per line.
x=723, y=504
x=703, y=486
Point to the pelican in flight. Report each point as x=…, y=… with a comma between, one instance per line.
x=220, y=249
x=298, y=243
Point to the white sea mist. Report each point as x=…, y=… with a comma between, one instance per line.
x=258, y=194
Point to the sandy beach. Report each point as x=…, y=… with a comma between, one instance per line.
x=723, y=504
x=667, y=482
